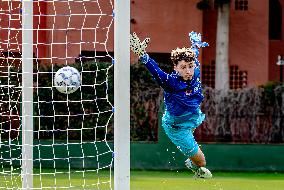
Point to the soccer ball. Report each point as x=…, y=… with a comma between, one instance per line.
x=67, y=80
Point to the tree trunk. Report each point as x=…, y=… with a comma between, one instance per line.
x=222, y=48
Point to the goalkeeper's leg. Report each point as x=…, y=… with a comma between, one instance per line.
x=182, y=137
x=197, y=164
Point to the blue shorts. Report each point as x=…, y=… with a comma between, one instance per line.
x=180, y=130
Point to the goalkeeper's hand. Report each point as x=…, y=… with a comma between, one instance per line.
x=136, y=46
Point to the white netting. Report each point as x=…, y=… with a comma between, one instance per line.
x=70, y=131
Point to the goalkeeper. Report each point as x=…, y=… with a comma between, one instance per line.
x=182, y=97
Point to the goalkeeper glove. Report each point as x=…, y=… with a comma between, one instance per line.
x=136, y=46
x=196, y=43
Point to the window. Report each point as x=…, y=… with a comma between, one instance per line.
x=275, y=20
x=208, y=74
x=238, y=78
x=241, y=5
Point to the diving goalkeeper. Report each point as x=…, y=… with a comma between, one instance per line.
x=182, y=98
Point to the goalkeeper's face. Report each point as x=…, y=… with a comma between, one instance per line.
x=185, y=69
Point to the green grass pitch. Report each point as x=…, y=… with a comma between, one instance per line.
x=221, y=181
x=153, y=180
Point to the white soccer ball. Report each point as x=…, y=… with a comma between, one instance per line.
x=67, y=80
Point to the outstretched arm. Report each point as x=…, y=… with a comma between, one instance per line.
x=163, y=79
x=196, y=43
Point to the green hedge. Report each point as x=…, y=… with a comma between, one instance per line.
x=145, y=101
x=251, y=115
x=86, y=113
x=248, y=115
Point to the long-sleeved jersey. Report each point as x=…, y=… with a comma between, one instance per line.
x=180, y=96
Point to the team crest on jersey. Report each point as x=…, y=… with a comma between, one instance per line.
x=187, y=92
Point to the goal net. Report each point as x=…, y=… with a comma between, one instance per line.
x=67, y=146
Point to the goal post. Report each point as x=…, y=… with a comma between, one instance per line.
x=121, y=107
x=122, y=95
x=27, y=94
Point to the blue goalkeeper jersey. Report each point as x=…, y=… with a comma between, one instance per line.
x=180, y=96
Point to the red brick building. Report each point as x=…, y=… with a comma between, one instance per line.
x=255, y=35
x=255, y=32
